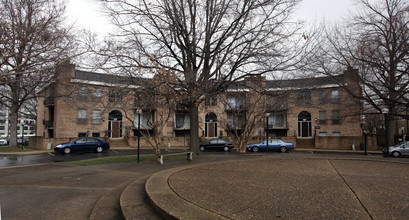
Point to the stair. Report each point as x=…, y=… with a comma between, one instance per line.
x=127, y=201
x=118, y=143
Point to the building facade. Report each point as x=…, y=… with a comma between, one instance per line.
x=311, y=113
x=26, y=126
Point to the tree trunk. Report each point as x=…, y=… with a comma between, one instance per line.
x=13, y=125
x=194, y=128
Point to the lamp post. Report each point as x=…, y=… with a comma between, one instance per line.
x=267, y=115
x=139, y=130
x=385, y=112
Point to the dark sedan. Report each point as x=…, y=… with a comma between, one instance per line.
x=83, y=144
x=273, y=145
x=219, y=144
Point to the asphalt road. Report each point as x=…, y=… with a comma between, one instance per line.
x=24, y=160
x=58, y=191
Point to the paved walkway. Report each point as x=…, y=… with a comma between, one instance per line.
x=285, y=186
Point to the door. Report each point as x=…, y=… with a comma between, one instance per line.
x=211, y=125
x=115, y=129
x=304, y=125
x=211, y=129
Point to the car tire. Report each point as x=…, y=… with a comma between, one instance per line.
x=283, y=149
x=99, y=149
x=202, y=148
x=226, y=149
x=67, y=150
x=396, y=154
x=255, y=149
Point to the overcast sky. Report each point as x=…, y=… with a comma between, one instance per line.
x=86, y=13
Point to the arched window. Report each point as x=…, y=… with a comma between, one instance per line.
x=304, y=124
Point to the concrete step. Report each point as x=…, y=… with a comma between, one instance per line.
x=135, y=203
x=108, y=206
x=118, y=143
x=127, y=201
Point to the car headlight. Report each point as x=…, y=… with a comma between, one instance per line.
x=58, y=146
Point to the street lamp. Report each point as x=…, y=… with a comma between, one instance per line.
x=267, y=115
x=385, y=112
x=139, y=111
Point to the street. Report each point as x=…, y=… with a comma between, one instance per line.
x=23, y=160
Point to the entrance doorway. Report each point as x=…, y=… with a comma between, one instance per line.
x=304, y=125
x=115, y=124
x=211, y=125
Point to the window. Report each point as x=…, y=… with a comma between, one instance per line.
x=146, y=120
x=335, y=96
x=115, y=96
x=82, y=94
x=322, y=117
x=96, y=134
x=182, y=121
x=276, y=102
x=322, y=134
x=235, y=121
x=97, y=94
x=322, y=97
x=96, y=117
x=276, y=120
x=90, y=140
x=336, y=117
x=304, y=97
x=336, y=134
x=235, y=102
x=2, y=128
x=82, y=134
x=82, y=116
x=211, y=101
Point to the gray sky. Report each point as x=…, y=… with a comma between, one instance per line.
x=86, y=13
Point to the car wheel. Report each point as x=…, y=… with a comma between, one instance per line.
x=99, y=149
x=202, y=148
x=255, y=149
x=67, y=150
x=226, y=149
x=283, y=149
x=396, y=154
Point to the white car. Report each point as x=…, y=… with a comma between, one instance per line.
x=3, y=142
x=401, y=149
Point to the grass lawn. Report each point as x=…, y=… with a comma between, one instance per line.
x=12, y=149
x=119, y=159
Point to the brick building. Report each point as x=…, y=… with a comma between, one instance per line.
x=313, y=113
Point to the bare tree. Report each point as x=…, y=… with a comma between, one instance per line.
x=375, y=41
x=32, y=41
x=152, y=106
x=204, y=44
x=245, y=111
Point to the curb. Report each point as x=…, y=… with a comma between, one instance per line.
x=169, y=204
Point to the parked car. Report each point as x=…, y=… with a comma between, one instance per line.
x=3, y=142
x=398, y=150
x=83, y=144
x=273, y=145
x=216, y=143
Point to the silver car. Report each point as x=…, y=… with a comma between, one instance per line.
x=398, y=150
